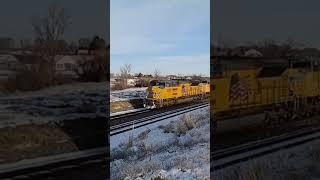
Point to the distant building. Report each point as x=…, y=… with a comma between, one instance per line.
x=84, y=43
x=6, y=43
x=169, y=77
x=29, y=61
x=68, y=66
x=83, y=52
x=25, y=43
x=131, y=82
x=9, y=65
x=62, y=44
x=238, y=51
x=252, y=53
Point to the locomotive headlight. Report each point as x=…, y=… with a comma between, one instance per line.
x=156, y=95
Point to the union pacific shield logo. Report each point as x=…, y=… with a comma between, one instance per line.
x=184, y=89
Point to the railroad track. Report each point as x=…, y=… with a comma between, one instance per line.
x=119, y=116
x=230, y=156
x=140, y=122
x=55, y=166
x=131, y=116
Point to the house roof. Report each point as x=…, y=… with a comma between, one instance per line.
x=7, y=58
x=253, y=52
x=74, y=58
x=28, y=59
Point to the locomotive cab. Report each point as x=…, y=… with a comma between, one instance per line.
x=153, y=92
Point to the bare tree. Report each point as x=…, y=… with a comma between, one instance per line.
x=156, y=73
x=49, y=30
x=125, y=71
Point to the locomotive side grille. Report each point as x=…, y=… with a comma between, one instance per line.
x=239, y=88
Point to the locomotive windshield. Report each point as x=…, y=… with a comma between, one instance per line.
x=153, y=83
x=157, y=83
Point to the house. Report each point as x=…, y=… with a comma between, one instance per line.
x=131, y=82
x=252, y=53
x=84, y=43
x=9, y=65
x=218, y=51
x=238, y=51
x=6, y=43
x=29, y=61
x=169, y=77
x=68, y=66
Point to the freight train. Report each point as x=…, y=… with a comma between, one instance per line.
x=281, y=92
x=162, y=93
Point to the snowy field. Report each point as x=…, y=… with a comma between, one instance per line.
x=72, y=101
x=127, y=94
x=175, y=148
x=299, y=163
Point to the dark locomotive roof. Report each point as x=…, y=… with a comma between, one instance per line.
x=170, y=83
x=227, y=63
x=271, y=71
x=165, y=83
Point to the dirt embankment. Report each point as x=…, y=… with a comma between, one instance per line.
x=31, y=141
x=118, y=106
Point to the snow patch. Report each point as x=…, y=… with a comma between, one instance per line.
x=128, y=94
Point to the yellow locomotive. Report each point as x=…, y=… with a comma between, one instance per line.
x=281, y=92
x=165, y=93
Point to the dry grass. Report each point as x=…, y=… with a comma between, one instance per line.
x=144, y=149
x=33, y=141
x=315, y=153
x=253, y=171
x=143, y=135
x=136, y=170
x=118, y=106
x=130, y=142
x=183, y=163
x=124, y=151
x=158, y=178
x=169, y=128
x=121, y=154
x=132, y=152
x=294, y=176
x=184, y=124
x=119, y=86
x=267, y=170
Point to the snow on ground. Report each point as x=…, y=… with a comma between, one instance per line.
x=88, y=87
x=118, y=139
x=128, y=111
x=302, y=162
x=127, y=94
x=72, y=101
x=175, y=148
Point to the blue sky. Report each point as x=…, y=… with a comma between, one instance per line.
x=170, y=35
